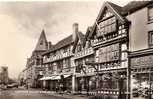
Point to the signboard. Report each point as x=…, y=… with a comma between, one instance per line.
x=142, y=61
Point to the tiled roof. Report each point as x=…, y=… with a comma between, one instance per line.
x=81, y=37
x=130, y=7
x=135, y=5
x=64, y=42
x=117, y=8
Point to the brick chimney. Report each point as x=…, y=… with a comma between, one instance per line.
x=75, y=28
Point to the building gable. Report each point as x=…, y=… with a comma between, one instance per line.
x=108, y=10
x=42, y=42
x=78, y=41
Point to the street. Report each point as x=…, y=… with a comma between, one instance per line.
x=25, y=94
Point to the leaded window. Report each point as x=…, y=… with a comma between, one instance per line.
x=107, y=26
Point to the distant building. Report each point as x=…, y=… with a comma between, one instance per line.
x=34, y=69
x=22, y=77
x=4, y=75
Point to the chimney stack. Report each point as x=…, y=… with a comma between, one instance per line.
x=75, y=28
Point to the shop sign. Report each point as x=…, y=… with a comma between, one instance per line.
x=142, y=61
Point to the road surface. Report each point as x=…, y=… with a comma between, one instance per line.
x=25, y=94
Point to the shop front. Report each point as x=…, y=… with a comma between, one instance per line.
x=85, y=84
x=142, y=74
x=57, y=83
x=112, y=84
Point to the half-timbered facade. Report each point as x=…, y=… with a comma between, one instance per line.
x=122, y=41
x=113, y=59
x=109, y=39
x=59, y=63
x=83, y=52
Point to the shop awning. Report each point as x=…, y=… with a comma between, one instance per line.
x=53, y=77
x=56, y=78
x=46, y=78
x=65, y=76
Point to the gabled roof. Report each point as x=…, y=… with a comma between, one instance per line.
x=134, y=6
x=42, y=42
x=64, y=42
x=81, y=37
x=89, y=30
x=121, y=12
x=115, y=9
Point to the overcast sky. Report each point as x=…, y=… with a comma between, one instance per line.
x=22, y=23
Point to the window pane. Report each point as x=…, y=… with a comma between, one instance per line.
x=151, y=38
x=150, y=13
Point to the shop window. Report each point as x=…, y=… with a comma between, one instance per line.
x=150, y=36
x=150, y=13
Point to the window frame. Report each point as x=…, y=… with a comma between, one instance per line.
x=150, y=41
x=149, y=7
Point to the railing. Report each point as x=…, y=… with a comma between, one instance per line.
x=84, y=53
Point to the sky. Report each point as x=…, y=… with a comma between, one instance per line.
x=22, y=23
